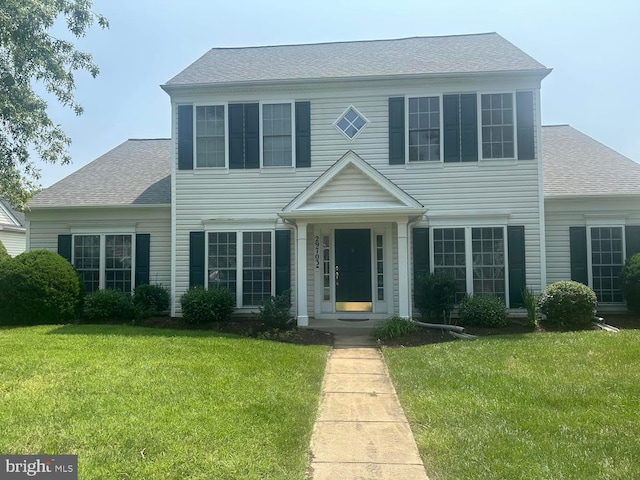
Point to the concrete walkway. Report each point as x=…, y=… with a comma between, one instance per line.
x=361, y=431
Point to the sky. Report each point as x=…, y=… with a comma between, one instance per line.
x=592, y=46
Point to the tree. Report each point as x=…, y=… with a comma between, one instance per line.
x=30, y=56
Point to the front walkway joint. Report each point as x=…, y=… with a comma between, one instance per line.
x=361, y=431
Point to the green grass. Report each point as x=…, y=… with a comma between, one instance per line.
x=537, y=406
x=136, y=403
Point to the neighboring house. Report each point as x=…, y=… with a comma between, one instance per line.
x=343, y=170
x=12, y=229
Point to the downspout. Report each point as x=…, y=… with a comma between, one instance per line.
x=410, y=225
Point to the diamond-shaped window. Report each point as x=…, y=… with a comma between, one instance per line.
x=351, y=122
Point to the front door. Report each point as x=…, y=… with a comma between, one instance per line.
x=353, y=270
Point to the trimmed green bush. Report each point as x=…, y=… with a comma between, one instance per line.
x=151, y=300
x=38, y=287
x=275, y=312
x=200, y=306
x=435, y=296
x=394, y=327
x=4, y=255
x=631, y=283
x=104, y=305
x=482, y=311
x=568, y=303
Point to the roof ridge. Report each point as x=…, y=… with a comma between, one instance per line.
x=147, y=139
x=556, y=125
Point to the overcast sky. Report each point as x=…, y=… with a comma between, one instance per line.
x=592, y=46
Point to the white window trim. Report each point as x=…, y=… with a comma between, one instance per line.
x=102, y=274
x=293, y=135
x=406, y=130
x=515, y=125
x=226, y=135
x=358, y=112
x=239, y=261
x=603, y=224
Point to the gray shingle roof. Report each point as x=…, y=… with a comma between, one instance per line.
x=19, y=216
x=486, y=52
x=577, y=165
x=137, y=172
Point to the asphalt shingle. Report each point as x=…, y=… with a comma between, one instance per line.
x=137, y=172
x=485, y=52
x=577, y=165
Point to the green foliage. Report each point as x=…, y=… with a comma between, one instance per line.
x=531, y=304
x=568, y=303
x=200, y=306
x=4, y=255
x=151, y=300
x=435, y=296
x=394, y=327
x=276, y=311
x=104, y=305
x=38, y=287
x=631, y=283
x=482, y=311
x=32, y=56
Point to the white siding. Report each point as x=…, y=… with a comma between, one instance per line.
x=481, y=188
x=46, y=225
x=5, y=219
x=14, y=242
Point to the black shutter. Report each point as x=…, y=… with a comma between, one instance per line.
x=283, y=261
x=524, y=108
x=185, y=137
x=236, y=135
x=632, y=238
x=469, y=127
x=196, y=259
x=251, y=135
x=420, y=254
x=303, y=134
x=396, y=131
x=517, y=272
x=64, y=247
x=143, y=245
x=451, y=123
x=578, y=254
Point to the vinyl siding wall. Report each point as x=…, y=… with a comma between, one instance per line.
x=446, y=189
x=14, y=242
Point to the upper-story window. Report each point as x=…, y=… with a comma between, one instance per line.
x=497, y=126
x=424, y=129
x=210, y=149
x=351, y=123
x=276, y=135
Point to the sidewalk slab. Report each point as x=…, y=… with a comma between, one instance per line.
x=364, y=382
x=357, y=352
x=356, y=366
x=360, y=407
x=367, y=471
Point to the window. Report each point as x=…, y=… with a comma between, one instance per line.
x=276, y=135
x=497, y=126
x=104, y=261
x=351, y=123
x=487, y=247
x=242, y=262
x=210, y=140
x=449, y=257
x=424, y=129
x=326, y=268
x=606, y=263
x=380, y=267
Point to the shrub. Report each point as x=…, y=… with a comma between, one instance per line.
x=4, y=255
x=531, y=304
x=38, y=287
x=275, y=312
x=631, y=283
x=483, y=311
x=151, y=300
x=568, y=303
x=103, y=305
x=394, y=327
x=435, y=296
x=200, y=306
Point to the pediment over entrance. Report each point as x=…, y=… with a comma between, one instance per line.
x=352, y=186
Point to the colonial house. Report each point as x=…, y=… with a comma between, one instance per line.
x=12, y=229
x=342, y=171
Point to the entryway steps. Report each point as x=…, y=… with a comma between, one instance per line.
x=361, y=431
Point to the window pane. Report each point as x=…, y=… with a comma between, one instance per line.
x=424, y=129
x=606, y=260
x=487, y=250
x=351, y=123
x=256, y=271
x=210, y=141
x=86, y=260
x=222, y=260
x=497, y=126
x=449, y=257
x=276, y=131
x=118, y=250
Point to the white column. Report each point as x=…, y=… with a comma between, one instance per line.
x=404, y=286
x=301, y=276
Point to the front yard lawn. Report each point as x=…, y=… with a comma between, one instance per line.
x=536, y=406
x=137, y=403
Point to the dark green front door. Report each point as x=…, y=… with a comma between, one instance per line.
x=353, y=270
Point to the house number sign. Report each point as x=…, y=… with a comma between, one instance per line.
x=317, y=252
